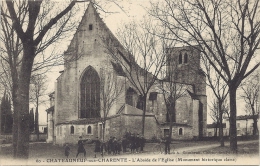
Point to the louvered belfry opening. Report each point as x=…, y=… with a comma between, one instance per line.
x=90, y=94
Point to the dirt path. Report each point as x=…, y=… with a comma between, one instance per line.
x=182, y=150
x=40, y=153
x=204, y=147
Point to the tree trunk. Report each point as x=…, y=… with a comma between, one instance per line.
x=15, y=129
x=221, y=138
x=15, y=114
x=22, y=107
x=103, y=138
x=144, y=111
x=232, y=119
x=216, y=129
x=5, y=122
x=103, y=131
x=172, y=111
x=246, y=128
x=254, y=125
x=37, y=119
x=21, y=97
x=170, y=128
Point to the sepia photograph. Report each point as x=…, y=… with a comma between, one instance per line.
x=129, y=82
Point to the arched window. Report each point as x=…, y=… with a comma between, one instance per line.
x=71, y=129
x=90, y=94
x=180, y=131
x=130, y=94
x=180, y=58
x=89, y=130
x=140, y=102
x=185, y=58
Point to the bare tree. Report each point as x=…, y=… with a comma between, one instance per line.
x=220, y=91
x=29, y=28
x=5, y=79
x=30, y=32
x=140, y=55
x=217, y=113
x=214, y=114
x=37, y=90
x=250, y=95
x=111, y=88
x=10, y=60
x=227, y=34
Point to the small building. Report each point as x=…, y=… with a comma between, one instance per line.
x=213, y=130
x=244, y=125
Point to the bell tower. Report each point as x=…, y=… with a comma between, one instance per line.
x=183, y=64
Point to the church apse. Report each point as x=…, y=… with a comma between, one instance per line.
x=90, y=94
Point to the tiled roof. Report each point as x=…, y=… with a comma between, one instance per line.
x=82, y=121
x=132, y=111
x=86, y=120
x=215, y=125
x=244, y=117
x=175, y=124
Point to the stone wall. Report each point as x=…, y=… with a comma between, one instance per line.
x=115, y=127
x=134, y=125
x=50, y=127
x=64, y=135
x=195, y=116
x=119, y=125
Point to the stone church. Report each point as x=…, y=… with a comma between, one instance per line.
x=75, y=106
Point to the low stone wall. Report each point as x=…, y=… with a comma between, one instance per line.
x=42, y=137
x=65, y=135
